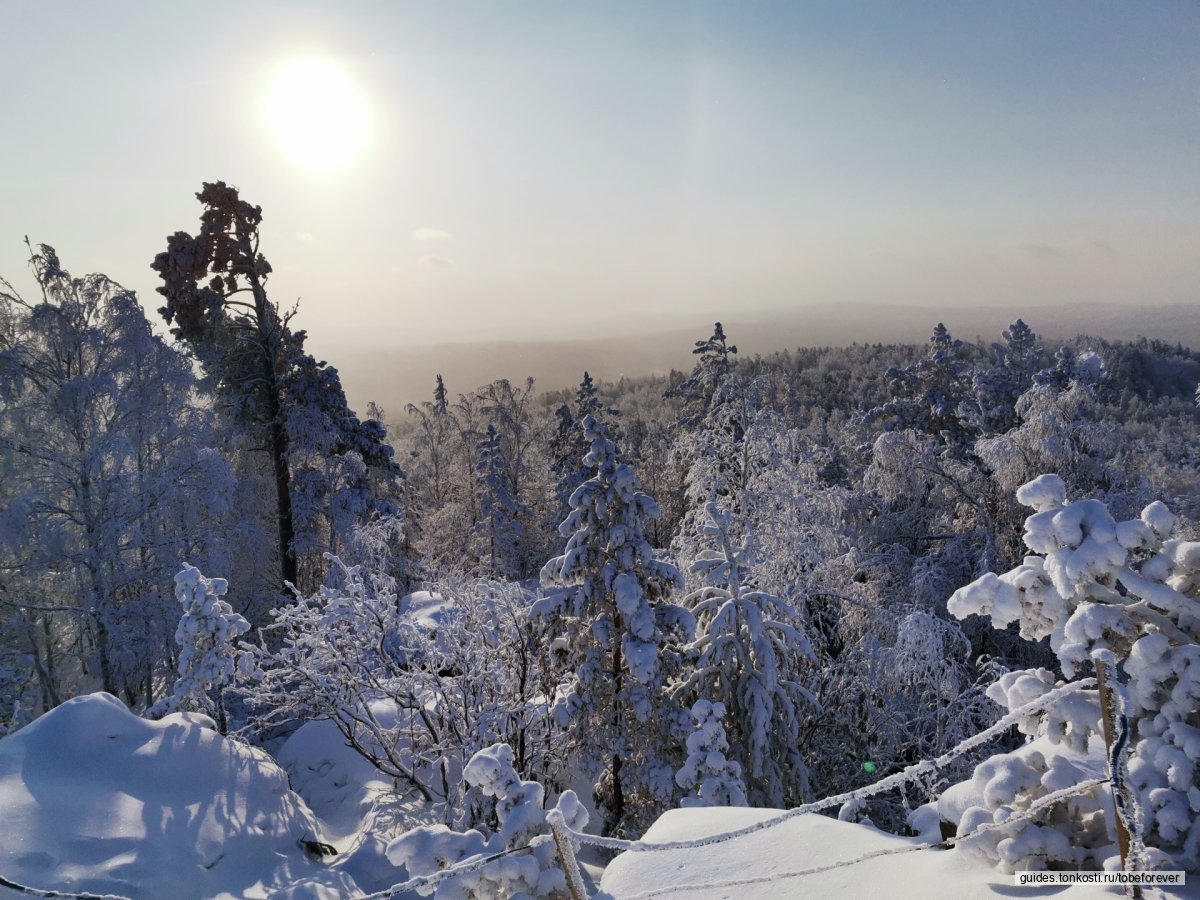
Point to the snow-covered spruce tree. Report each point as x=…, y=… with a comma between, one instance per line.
x=207, y=636
x=1126, y=588
x=750, y=656
x=608, y=610
x=708, y=776
x=496, y=536
x=736, y=439
x=568, y=446
x=717, y=451
x=517, y=821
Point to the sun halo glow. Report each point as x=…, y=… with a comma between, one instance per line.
x=316, y=114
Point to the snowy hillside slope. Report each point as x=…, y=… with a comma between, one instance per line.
x=94, y=798
x=755, y=867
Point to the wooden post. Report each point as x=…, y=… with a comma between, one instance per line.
x=566, y=855
x=1108, y=719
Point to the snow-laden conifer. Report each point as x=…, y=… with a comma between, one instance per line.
x=609, y=611
x=496, y=535
x=709, y=777
x=750, y=656
x=1130, y=590
x=207, y=635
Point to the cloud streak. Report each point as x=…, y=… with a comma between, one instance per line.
x=431, y=234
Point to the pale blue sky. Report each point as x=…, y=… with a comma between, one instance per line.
x=588, y=164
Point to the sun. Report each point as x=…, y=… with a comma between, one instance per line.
x=316, y=114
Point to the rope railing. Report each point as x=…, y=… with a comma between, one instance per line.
x=66, y=895
x=909, y=774
x=472, y=864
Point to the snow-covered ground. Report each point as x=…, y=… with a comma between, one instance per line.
x=94, y=798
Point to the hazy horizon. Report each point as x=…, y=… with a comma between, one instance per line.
x=394, y=376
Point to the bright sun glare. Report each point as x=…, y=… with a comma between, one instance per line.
x=316, y=114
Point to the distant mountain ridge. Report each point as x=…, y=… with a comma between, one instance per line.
x=396, y=376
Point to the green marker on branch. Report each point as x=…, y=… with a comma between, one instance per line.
x=869, y=767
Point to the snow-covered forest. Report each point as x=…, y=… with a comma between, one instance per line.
x=254, y=642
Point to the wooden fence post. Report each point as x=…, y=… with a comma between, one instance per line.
x=1108, y=719
x=566, y=855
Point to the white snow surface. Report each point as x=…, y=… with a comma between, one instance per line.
x=426, y=610
x=805, y=842
x=94, y=798
x=338, y=784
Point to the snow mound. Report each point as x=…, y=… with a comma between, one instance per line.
x=338, y=784
x=94, y=798
x=805, y=842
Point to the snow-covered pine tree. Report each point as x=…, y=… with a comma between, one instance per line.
x=608, y=610
x=343, y=470
x=928, y=395
x=216, y=299
x=715, y=362
x=750, y=657
x=997, y=387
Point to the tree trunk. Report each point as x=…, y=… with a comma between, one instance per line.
x=288, y=569
x=271, y=349
x=618, y=802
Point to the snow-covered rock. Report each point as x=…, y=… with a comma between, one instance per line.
x=94, y=798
